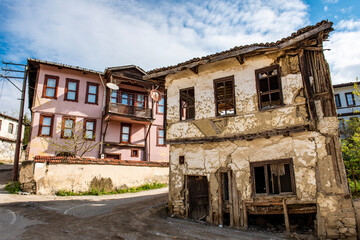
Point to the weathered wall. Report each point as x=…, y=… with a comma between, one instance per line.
x=53, y=177
x=248, y=118
x=318, y=169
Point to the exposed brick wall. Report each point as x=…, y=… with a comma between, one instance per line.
x=74, y=160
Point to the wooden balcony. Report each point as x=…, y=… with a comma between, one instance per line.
x=133, y=112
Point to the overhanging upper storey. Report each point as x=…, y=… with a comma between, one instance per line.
x=302, y=39
x=131, y=101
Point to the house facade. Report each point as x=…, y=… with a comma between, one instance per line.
x=347, y=103
x=8, y=133
x=253, y=137
x=74, y=113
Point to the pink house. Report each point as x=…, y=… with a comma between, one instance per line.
x=73, y=106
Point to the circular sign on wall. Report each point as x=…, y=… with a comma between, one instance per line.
x=155, y=95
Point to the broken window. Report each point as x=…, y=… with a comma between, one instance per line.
x=187, y=104
x=224, y=96
x=268, y=84
x=273, y=177
x=337, y=100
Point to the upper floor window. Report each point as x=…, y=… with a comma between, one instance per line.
x=0, y=124
x=50, y=86
x=68, y=127
x=160, y=137
x=273, y=177
x=89, y=129
x=71, y=90
x=11, y=128
x=92, y=92
x=125, y=133
x=187, y=104
x=160, y=106
x=337, y=100
x=268, y=84
x=113, y=96
x=224, y=96
x=350, y=99
x=46, y=125
x=128, y=98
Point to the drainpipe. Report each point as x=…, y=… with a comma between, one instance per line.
x=102, y=137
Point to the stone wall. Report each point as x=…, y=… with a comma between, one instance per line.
x=50, y=175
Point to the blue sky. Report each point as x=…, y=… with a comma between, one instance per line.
x=151, y=34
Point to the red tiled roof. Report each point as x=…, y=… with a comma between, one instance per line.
x=345, y=84
x=73, y=160
x=264, y=45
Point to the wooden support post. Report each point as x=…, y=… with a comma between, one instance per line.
x=286, y=217
x=231, y=202
x=245, y=215
x=220, y=209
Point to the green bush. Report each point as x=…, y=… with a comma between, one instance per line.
x=354, y=190
x=13, y=187
x=100, y=191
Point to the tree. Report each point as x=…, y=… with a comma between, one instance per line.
x=76, y=139
x=350, y=145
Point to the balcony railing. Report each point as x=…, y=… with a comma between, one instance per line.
x=129, y=110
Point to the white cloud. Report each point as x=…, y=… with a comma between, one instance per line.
x=99, y=34
x=326, y=8
x=344, y=57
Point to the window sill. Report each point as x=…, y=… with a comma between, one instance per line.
x=91, y=103
x=272, y=196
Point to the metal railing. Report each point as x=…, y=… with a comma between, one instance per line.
x=129, y=110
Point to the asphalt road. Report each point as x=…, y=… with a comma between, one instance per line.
x=128, y=216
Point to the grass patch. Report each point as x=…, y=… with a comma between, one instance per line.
x=13, y=187
x=97, y=192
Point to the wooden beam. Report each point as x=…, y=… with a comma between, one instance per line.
x=195, y=69
x=250, y=136
x=245, y=215
x=286, y=217
x=240, y=59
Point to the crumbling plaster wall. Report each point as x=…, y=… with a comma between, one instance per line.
x=248, y=118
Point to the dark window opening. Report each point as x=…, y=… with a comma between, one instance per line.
x=181, y=159
x=273, y=177
x=113, y=156
x=269, y=87
x=226, y=219
x=187, y=104
x=337, y=100
x=11, y=128
x=224, y=96
x=303, y=223
x=225, y=186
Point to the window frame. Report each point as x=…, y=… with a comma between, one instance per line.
x=64, y=118
x=97, y=85
x=41, y=125
x=67, y=90
x=187, y=109
x=121, y=132
x=158, y=137
x=158, y=104
x=45, y=86
x=224, y=79
x=265, y=164
x=353, y=98
x=12, y=128
x=269, y=92
x=337, y=96
x=94, y=130
x=134, y=155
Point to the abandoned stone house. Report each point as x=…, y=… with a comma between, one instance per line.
x=253, y=134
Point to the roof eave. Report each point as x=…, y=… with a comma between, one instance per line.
x=286, y=44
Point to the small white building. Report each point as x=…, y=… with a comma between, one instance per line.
x=8, y=133
x=347, y=103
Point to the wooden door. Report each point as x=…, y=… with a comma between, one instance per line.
x=198, y=197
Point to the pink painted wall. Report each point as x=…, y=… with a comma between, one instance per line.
x=60, y=108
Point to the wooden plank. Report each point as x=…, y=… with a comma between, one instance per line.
x=286, y=217
x=220, y=206
x=245, y=215
x=231, y=198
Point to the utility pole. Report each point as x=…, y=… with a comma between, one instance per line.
x=15, y=173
